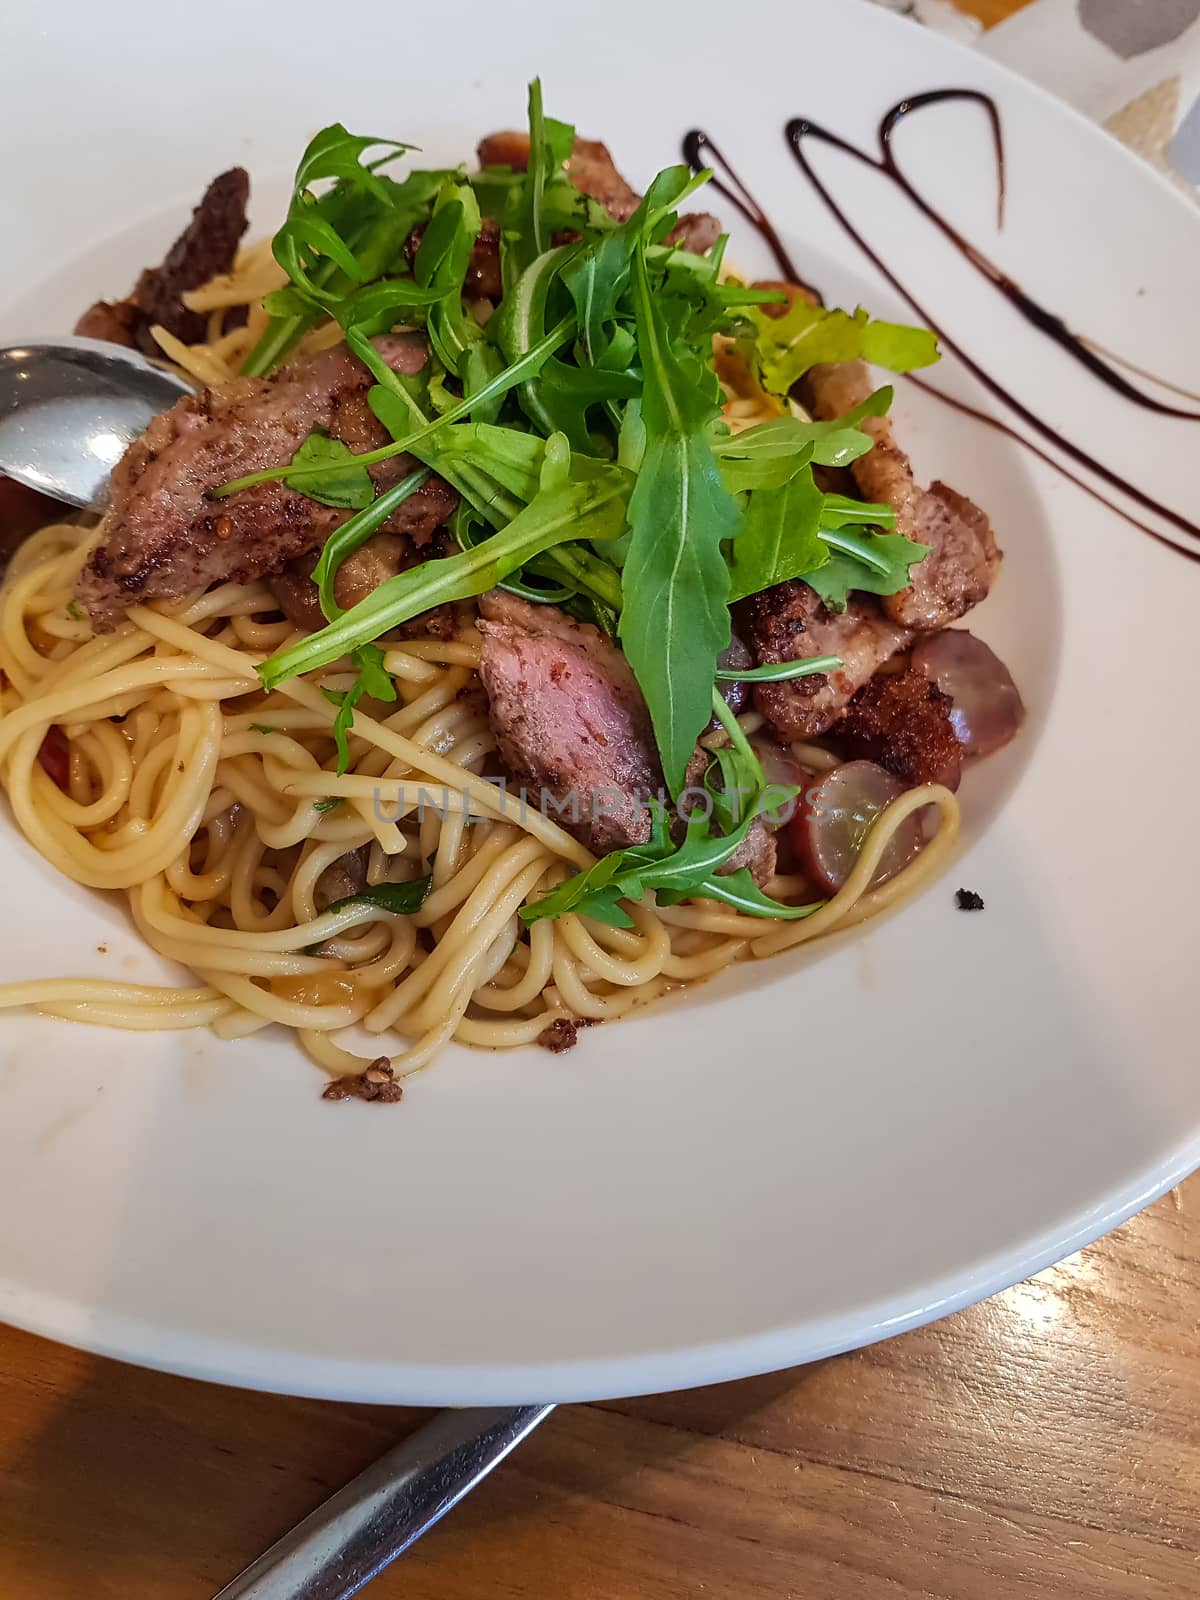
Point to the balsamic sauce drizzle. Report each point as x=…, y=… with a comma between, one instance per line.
x=1041, y=317
x=701, y=150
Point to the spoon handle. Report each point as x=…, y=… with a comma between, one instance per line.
x=349, y=1540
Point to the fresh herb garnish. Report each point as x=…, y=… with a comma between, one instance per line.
x=400, y=899
x=373, y=683
x=330, y=804
x=343, y=483
x=675, y=616
x=876, y=563
x=785, y=348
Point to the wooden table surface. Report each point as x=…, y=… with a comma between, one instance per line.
x=1044, y=1444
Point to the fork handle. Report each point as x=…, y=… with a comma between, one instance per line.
x=358, y=1531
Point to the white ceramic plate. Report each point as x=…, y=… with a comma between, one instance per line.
x=809, y=1154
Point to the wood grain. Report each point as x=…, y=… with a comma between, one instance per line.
x=1044, y=1444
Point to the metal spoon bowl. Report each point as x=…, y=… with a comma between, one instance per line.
x=70, y=408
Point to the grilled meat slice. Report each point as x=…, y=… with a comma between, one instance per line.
x=205, y=248
x=166, y=538
x=573, y=728
x=570, y=721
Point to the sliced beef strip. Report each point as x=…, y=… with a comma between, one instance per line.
x=790, y=623
x=963, y=560
x=573, y=728
x=166, y=538
x=594, y=173
x=570, y=721
x=901, y=721
x=205, y=248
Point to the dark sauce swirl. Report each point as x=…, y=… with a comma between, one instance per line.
x=701, y=150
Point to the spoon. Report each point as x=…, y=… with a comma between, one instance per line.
x=70, y=408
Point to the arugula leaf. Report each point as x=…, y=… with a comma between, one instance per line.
x=401, y=899
x=591, y=509
x=330, y=243
x=550, y=144
x=767, y=455
x=787, y=347
x=739, y=890
x=779, y=537
x=373, y=682
x=630, y=874
x=782, y=671
x=519, y=325
x=876, y=563
x=344, y=721
x=346, y=484
x=675, y=618
x=442, y=261
x=840, y=511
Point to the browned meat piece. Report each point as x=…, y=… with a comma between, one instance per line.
x=901, y=721
x=360, y=574
x=504, y=149
x=114, y=322
x=166, y=538
x=756, y=851
x=573, y=728
x=570, y=721
x=794, y=292
x=559, y=1035
x=592, y=170
x=205, y=248
x=382, y=557
x=696, y=231
x=960, y=568
x=964, y=559
x=376, y=1083
x=790, y=623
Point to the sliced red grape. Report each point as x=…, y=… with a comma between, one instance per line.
x=835, y=814
x=987, y=708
